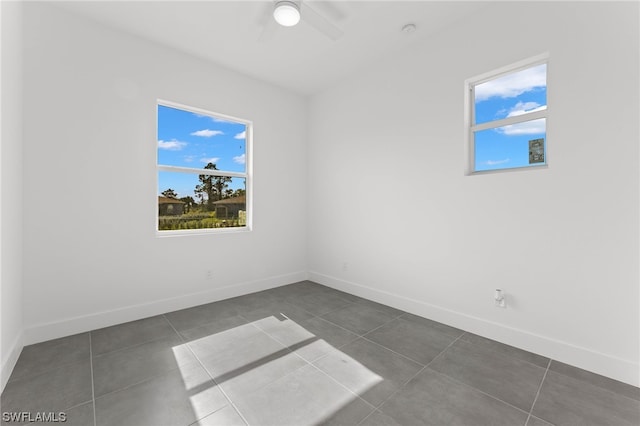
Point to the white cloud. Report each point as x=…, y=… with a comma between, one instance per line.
x=213, y=160
x=532, y=127
x=514, y=84
x=207, y=133
x=525, y=107
x=240, y=159
x=496, y=162
x=172, y=145
x=241, y=135
x=222, y=120
x=214, y=119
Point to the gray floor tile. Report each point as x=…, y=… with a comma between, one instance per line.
x=233, y=352
x=129, y=334
x=226, y=416
x=359, y=318
x=368, y=369
x=301, y=288
x=260, y=375
x=509, y=379
x=437, y=326
x=81, y=415
x=346, y=296
x=379, y=419
x=41, y=357
x=179, y=397
x=212, y=328
x=294, y=336
x=380, y=307
x=277, y=308
x=567, y=401
x=259, y=346
x=331, y=333
x=319, y=303
x=420, y=342
x=501, y=348
x=596, y=379
x=118, y=369
x=252, y=301
x=304, y=397
x=54, y=390
x=197, y=316
x=534, y=421
x=434, y=399
x=350, y=414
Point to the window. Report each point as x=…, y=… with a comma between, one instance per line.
x=204, y=170
x=507, y=117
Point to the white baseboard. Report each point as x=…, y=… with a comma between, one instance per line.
x=53, y=330
x=10, y=360
x=587, y=359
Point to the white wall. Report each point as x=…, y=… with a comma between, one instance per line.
x=11, y=188
x=91, y=255
x=388, y=195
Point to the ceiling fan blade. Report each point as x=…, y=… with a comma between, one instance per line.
x=319, y=22
x=267, y=23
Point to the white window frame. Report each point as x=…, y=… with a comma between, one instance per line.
x=469, y=115
x=247, y=175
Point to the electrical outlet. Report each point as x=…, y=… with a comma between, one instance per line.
x=209, y=274
x=499, y=299
x=345, y=266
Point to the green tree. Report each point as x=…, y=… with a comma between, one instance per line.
x=169, y=193
x=211, y=187
x=189, y=202
x=241, y=191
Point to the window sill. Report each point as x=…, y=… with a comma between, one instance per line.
x=508, y=170
x=201, y=232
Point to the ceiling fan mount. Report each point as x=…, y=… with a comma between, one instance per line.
x=289, y=13
x=286, y=13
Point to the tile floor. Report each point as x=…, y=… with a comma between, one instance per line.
x=304, y=354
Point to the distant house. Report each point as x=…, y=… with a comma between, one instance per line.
x=169, y=206
x=228, y=208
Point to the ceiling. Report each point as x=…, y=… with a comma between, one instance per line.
x=300, y=58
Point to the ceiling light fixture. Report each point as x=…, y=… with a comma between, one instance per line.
x=286, y=13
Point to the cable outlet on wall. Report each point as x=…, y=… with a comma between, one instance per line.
x=498, y=297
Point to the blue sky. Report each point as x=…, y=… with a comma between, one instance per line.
x=187, y=139
x=508, y=96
